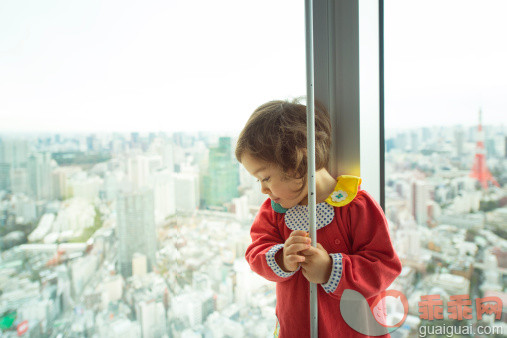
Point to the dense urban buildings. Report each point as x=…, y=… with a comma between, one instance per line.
x=144, y=235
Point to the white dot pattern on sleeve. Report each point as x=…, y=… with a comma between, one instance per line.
x=270, y=258
x=296, y=218
x=336, y=273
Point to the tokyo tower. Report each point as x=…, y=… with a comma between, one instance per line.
x=479, y=170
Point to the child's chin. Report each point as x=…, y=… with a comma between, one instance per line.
x=285, y=205
x=282, y=204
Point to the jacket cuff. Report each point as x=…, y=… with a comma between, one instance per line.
x=336, y=273
x=270, y=258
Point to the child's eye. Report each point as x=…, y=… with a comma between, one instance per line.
x=266, y=179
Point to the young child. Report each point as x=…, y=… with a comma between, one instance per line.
x=354, y=250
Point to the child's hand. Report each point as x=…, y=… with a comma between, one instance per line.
x=292, y=248
x=317, y=265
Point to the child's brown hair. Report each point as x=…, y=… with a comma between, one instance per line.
x=276, y=133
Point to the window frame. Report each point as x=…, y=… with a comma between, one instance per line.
x=349, y=70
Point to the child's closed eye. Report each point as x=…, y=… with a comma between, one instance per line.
x=265, y=179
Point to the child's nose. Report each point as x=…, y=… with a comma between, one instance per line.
x=264, y=189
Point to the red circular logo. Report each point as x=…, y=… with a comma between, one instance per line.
x=379, y=307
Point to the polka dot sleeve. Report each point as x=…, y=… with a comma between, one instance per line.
x=336, y=273
x=270, y=258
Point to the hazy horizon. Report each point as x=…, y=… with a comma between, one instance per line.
x=163, y=66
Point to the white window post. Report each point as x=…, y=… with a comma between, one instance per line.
x=347, y=38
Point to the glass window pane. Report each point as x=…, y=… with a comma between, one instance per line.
x=446, y=156
x=123, y=211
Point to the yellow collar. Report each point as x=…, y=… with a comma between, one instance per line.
x=345, y=190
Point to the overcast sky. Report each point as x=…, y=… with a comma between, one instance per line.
x=206, y=65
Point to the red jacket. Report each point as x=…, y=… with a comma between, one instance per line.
x=357, y=238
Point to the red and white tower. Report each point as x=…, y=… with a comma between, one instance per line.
x=479, y=170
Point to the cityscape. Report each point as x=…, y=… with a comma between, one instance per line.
x=144, y=234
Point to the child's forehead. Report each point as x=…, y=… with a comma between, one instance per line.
x=255, y=165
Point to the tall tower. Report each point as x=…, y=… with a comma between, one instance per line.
x=136, y=228
x=420, y=201
x=39, y=176
x=479, y=170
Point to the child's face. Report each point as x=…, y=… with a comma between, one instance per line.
x=273, y=183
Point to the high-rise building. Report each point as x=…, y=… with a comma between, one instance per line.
x=59, y=183
x=81, y=270
x=168, y=156
x=90, y=142
x=155, y=164
x=390, y=144
x=86, y=187
x=427, y=133
x=491, y=274
x=499, y=144
x=5, y=176
x=14, y=152
x=490, y=147
x=138, y=170
x=25, y=208
x=19, y=181
x=134, y=140
x=163, y=189
x=408, y=240
x=186, y=191
x=193, y=307
x=183, y=139
x=221, y=183
x=141, y=167
x=459, y=137
x=241, y=208
x=113, y=182
x=62, y=187
x=151, y=315
x=39, y=176
x=136, y=228
x=13, y=155
x=112, y=289
x=420, y=201
x=139, y=264
x=401, y=141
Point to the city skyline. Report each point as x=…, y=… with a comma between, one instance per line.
x=73, y=262
x=389, y=131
